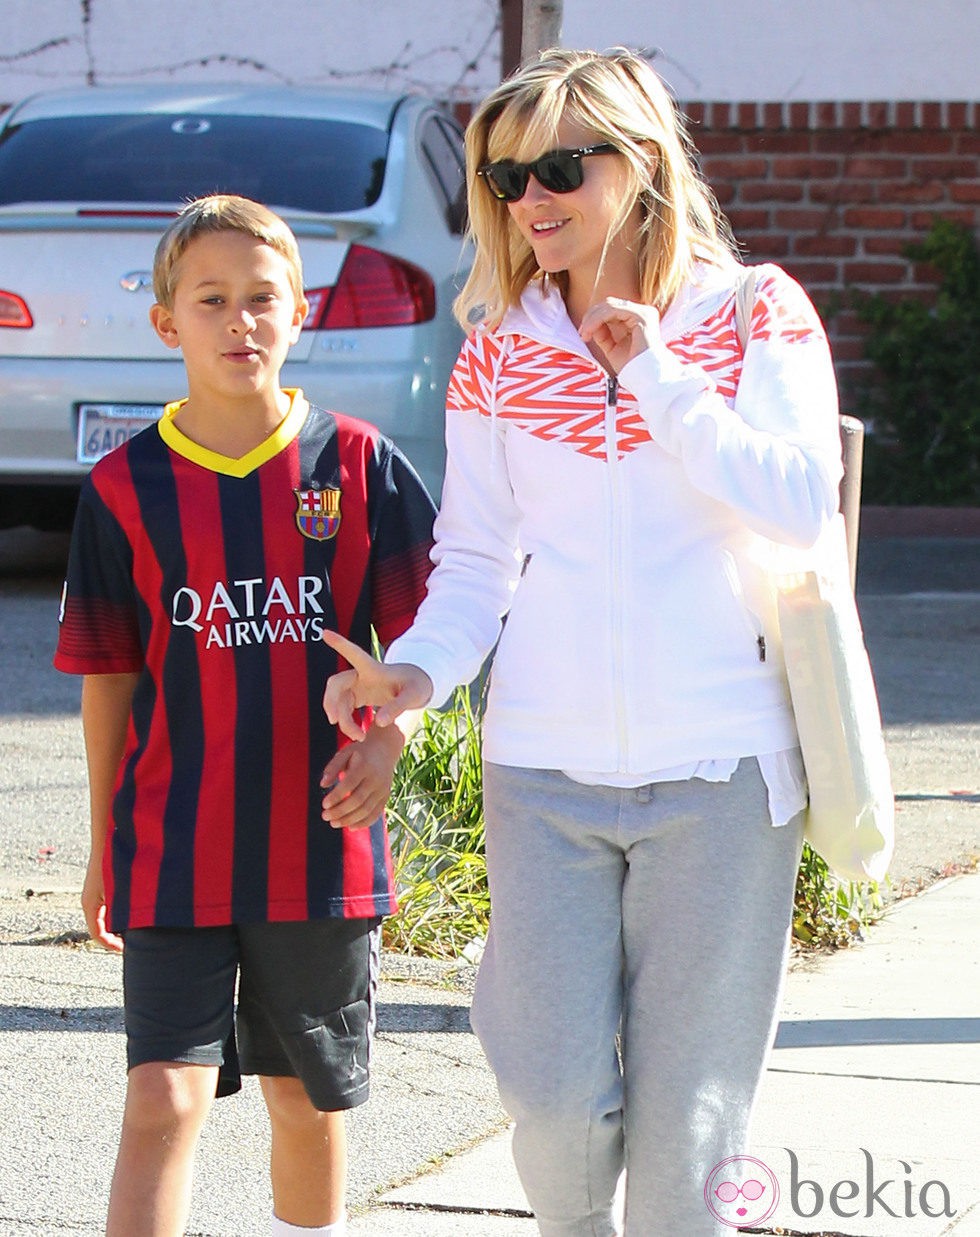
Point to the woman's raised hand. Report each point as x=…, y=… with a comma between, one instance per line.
x=392, y=690
x=620, y=329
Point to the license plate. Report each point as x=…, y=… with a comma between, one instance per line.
x=103, y=427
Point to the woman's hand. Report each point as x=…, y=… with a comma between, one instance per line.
x=392, y=690
x=620, y=329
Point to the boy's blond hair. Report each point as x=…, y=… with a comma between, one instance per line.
x=618, y=96
x=222, y=212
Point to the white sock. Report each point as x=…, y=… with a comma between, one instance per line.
x=281, y=1229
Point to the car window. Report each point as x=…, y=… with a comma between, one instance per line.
x=442, y=144
x=306, y=164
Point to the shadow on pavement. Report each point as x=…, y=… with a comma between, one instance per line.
x=852, y=1032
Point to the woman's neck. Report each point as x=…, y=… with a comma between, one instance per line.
x=619, y=277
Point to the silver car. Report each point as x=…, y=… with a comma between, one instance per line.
x=371, y=183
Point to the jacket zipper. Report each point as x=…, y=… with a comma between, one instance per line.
x=616, y=593
x=751, y=620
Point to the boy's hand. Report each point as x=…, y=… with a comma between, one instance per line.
x=93, y=904
x=396, y=689
x=358, y=779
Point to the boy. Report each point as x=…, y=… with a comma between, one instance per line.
x=208, y=554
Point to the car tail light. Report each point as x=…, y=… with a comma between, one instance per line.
x=373, y=289
x=317, y=300
x=14, y=311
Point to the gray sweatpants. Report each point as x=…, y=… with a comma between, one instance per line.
x=660, y=914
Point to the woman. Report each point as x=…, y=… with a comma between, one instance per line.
x=619, y=470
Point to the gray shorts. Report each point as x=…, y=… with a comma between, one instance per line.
x=306, y=1002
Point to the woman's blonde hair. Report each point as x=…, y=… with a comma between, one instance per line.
x=222, y=212
x=617, y=96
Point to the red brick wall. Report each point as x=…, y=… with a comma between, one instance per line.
x=833, y=191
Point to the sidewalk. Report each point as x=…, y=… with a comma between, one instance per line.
x=878, y=1055
x=876, y=1073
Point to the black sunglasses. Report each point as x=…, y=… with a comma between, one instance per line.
x=559, y=171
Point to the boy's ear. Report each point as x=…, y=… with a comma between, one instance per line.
x=299, y=317
x=162, y=321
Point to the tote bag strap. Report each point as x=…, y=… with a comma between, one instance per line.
x=744, y=301
x=851, y=429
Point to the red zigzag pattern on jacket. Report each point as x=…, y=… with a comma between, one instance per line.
x=560, y=397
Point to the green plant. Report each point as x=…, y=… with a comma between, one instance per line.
x=435, y=818
x=925, y=405
x=828, y=912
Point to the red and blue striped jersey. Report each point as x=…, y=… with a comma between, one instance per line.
x=214, y=583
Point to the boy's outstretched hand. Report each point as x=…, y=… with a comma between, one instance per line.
x=358, y=779
x=391, y=690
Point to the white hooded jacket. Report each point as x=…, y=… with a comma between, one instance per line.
x=625, y=528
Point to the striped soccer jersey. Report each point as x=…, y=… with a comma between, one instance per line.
x=213, y=579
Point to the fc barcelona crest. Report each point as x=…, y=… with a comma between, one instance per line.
x=318, y=513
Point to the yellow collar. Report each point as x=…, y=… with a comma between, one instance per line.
x=281, y=437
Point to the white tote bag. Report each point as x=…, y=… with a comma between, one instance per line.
x=851, y=815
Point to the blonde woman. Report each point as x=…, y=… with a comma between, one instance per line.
x=618, y=469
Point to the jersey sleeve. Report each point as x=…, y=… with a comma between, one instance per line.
x=401, y=543
x=99, y=622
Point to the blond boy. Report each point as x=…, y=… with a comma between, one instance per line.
x=232, y=838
